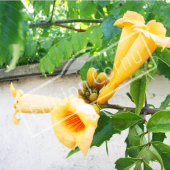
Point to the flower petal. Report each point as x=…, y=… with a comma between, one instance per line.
x=131, y=18
x=30, y=103
x=62, y=133
x=140, y=51
x=163, y=42
x=14, y=119
x=106, y=93
x=156, y=28
x=127, y=38
x=84, y=139
x=87, y=114
x=131, y=15
x=13, y=90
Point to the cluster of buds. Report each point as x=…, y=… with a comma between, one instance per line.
x=91, y=88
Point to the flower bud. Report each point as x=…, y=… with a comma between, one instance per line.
x=102, y=77
x=86, y=101
x=91, y=85
x=91, y=75
x=93, y=97
x=96, y=82
x=87, y=93
x=94, y=90
x=85, y=85
x=81, y=92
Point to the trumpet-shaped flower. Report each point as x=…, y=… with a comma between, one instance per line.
x=29, y=103
x=74, y=122
x=145, y=44
x=128, y=36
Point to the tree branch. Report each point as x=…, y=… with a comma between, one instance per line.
x=47, y=24
x=71, y=28
x=131, y=109
x=117, y=107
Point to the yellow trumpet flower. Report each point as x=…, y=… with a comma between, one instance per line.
x=74, y=122
x=145, y=44
x=130, y=20
x=29, y=103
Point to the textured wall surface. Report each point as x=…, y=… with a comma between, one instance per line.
x=32, y=144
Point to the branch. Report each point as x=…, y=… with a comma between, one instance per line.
x=47, y=24
x=51, y=18
x=71, y=28
x=131, y=109
x=112, y=106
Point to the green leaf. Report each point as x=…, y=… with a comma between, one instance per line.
x=152, y=67
x=159, y=122
x=109, y=31
x=41, y=66
x=91, y=28
x=104, y=3
x=164, y=55
x=165, y=103
x=56, y=56
x=31, y=48
x=8, y=55
x=87, y=9
x=10, y=26
x=134, y=138
x=48, y=65
x=138, y=166
x=95, y=37
x=53, y=58
x=158, y=137
x=153, y=155
x=164, y=69
x=104, y=130
x=124, y=120
x=79, y=41
x=46, y=43
x=144, y=150
x=164, y=151
x=125, y=163
x=140, y=152
x=72, y=9
x=45, y=5
x=73, y=152
x=132, y=6
x=115, y=12
x=107, y=149
x=138, y=91
x=134, y=151
x=16, y=55
x=66, y=48
x=146, y=166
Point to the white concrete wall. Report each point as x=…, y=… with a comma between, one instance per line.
x=32, y=144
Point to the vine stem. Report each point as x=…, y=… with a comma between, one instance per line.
x=50, y=23
x=71, y=28
x=131, y=109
